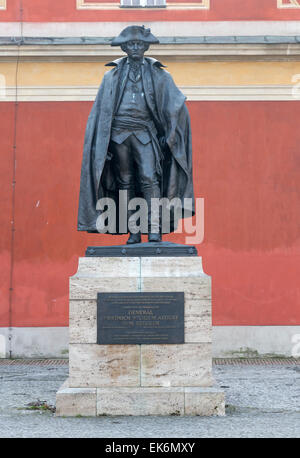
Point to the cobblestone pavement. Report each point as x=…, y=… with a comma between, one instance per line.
x=262, y=401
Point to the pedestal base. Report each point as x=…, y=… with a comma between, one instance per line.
x=205, y=401
x=140, y=379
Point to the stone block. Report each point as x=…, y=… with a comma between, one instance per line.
x=197, y=321
x=71, y=402
x=194, y=288
x=191, y=401
x=94, y=365
x=83, y=321
x=108, y=267
x=83, y=288
x=172, y=267
x=204, y=401
x=176, y=365
x=140, y=401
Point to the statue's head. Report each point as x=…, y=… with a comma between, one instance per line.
x=134, y=41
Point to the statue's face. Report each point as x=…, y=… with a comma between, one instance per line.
x=135, y=49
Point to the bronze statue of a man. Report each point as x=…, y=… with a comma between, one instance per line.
x=137, y=139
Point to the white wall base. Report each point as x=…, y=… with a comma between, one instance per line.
x=228, y=341
x=255, y=341
x=35, y=342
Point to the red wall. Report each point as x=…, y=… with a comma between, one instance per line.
x=220, y=10
x=7, y=112
x=246, y=166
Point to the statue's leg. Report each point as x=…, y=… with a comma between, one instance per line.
x=149, y=184
x=124, y=173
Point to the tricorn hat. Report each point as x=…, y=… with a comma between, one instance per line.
x=134, y=32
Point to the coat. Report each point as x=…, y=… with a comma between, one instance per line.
x=167, y=106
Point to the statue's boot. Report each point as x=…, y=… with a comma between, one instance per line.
x=154, y=223
x=152, y=237
x=133, y=237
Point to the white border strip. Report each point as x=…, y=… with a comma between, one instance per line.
x=186, y=52
x=193, y=93
x=162, y=29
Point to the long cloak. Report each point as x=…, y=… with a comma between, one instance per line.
x=167, y=106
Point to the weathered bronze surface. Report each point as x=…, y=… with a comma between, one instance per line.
x=138, y=138
x=141, y=250
x=140, y=318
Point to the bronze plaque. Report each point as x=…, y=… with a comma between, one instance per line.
x=140, y=318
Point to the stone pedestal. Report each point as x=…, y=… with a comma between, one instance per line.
x=167, y=379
